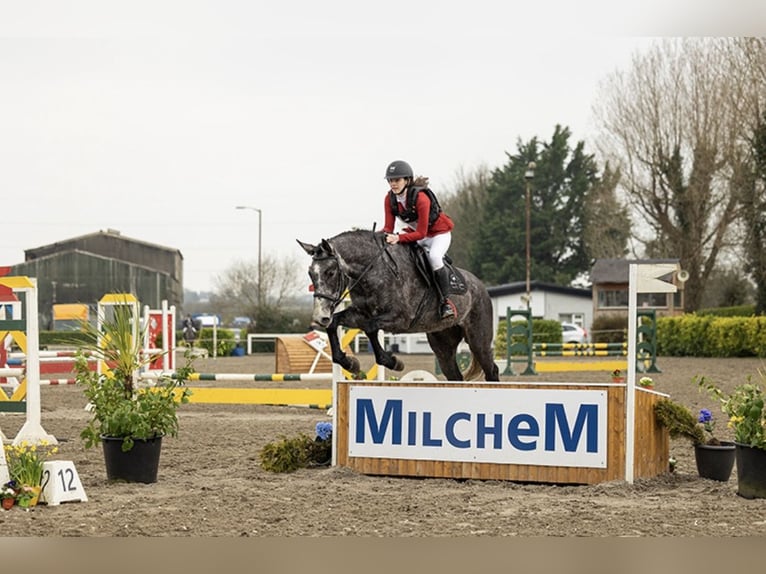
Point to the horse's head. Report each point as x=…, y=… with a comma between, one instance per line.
x=328, y=280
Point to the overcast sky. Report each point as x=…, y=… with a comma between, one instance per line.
x=157, y=118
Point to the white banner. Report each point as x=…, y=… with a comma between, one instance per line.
x=543, y=427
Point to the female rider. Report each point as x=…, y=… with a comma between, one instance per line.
x=421, y=220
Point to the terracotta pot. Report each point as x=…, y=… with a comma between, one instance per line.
x=8, y=503
x=715, y=461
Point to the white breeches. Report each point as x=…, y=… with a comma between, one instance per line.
x=436, y=247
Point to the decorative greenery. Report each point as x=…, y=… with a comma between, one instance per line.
x=25, y=461
x=119, y=406
x=679, y=421
x=616, y=374
x=300, y=451
x=744, y=407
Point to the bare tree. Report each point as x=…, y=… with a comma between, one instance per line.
x=464, y=206
x=236, y=290
x=671, y=126
x=748, y=57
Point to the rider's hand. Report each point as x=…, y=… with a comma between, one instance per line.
x=391, y=238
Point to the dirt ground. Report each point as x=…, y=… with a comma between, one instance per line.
x=211, y=484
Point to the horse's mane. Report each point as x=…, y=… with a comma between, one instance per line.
x=364, y=235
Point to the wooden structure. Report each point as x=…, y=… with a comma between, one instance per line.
x=294, y=354
x=651, y=452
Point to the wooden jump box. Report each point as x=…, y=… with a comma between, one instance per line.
x=560, y=433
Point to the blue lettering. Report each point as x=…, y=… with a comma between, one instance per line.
x=427, y=440
x=496, y=431
x=412, y=428
x=450, y=430
x=555, y=416
x=366, y=410
x=523, y=425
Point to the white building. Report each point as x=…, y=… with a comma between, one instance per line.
x=548, y=301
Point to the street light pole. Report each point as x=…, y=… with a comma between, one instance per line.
x=260, y=229
x=528, y=175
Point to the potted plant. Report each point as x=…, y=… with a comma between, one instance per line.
x=617, y=376
x=8, y=495
x=128, y=415
x=747, y=418
x=25, y=468
x=714, y=458
x=646, y=383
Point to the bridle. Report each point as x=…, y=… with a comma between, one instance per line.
x=334, y=299
x=347, y=283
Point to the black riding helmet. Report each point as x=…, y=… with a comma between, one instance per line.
x=398, y=168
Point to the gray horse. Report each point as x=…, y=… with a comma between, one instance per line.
x=389, y=292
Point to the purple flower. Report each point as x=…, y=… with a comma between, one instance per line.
x=324, y=430
x=705, y=416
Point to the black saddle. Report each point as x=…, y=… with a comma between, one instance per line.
x=457, y=285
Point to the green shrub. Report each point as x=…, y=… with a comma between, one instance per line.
x=543, y=331
x=225, y=341
x=609, y=329
x=290, y=454
x=736, y=311
x=711, y=336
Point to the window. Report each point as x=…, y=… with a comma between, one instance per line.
x=652, y=300
x=612, y=298
x=618, y=298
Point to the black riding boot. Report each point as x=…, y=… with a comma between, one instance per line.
x=442, y=286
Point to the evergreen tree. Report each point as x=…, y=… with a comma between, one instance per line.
x=559, y=190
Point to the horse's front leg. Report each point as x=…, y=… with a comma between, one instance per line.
x=351, y=364
x=383, y=357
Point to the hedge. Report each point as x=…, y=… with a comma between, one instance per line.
x=710, y=336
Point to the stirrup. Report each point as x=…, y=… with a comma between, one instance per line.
x=447, y=309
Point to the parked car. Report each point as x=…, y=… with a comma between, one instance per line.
x=571, y=333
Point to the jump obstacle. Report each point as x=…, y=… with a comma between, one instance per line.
x=566, y=433
x=521, y=348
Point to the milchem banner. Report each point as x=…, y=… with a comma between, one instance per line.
x=543, y=427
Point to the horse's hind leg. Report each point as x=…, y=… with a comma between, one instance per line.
x=479, y=339
x=444, y=345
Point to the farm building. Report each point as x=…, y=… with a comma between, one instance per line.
x=83, y=269
x=610, y=289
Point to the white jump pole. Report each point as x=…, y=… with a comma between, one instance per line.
x=630, y=400
x=642, y=278
x=32, y=430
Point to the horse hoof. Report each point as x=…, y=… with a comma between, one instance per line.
x=398, y=365
x=353, y=365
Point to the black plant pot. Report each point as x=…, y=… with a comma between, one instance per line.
x=139, y=464
x=715, y=461
x=751, y=471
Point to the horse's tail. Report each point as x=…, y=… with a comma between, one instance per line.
x=474, y=371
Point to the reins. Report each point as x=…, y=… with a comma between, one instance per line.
x=336, y=300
